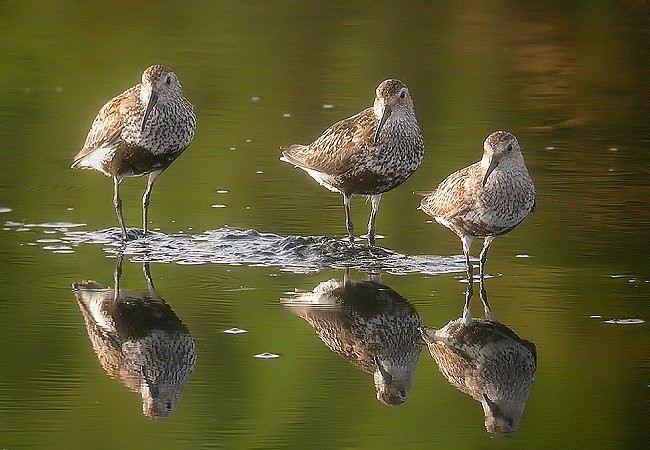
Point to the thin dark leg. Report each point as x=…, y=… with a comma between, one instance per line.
x=346, y=277
x=483, y=256
x=145, y=200
x=467, y=315
x=147, y=276
x=117, y=273
x=375, y=200
x=467, y=242
x=348, y=221
x=117, y=203
x=487, y=310
x=375, y=277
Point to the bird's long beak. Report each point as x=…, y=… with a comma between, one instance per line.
x=388, y=378
x=153, y=389
x=384, y=117
x=493, y=164
x=153, y=98
x=494, y=408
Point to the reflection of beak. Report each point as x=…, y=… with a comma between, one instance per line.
x=494, y=408
x=153, y=390
x=384, y=117
x=422, y=341
x=493, y=164
x=152, y=101
x=388, y=378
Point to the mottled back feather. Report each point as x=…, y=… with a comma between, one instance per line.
x=107, y=126
x=334, y=152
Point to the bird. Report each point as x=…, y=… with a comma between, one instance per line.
x=368, y=153
x=486, y=199
x=486, y=360
x=139, y=132
x=370, y=325
x=138, y=340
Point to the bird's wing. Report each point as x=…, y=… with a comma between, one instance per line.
x=336, y=149
x=107, y=126
x=452, y=197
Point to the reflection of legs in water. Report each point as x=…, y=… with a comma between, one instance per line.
x=483, y=256
x=487, y=310
x=467, y=315
x=116, y=276
x=486, y=305
x=346, y=277
x=375, y=277
x=147, y=276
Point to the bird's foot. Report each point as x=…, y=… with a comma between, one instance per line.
x=131, y=234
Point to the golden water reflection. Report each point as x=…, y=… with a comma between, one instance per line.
x=139, y=341
x=486, y=360
x=370, y=325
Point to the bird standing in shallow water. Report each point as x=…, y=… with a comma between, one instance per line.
x=369, y=153
x=484, y=200
x=139, y=132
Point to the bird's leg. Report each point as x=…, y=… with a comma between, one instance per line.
x=145, y=200
x=117, y=273
x=375, y=277
x=483, y=255
x=348, y=221
x=346, y=277
x=467, y=242
x=467, y=315
x=117, y=203
x=487, y=310
x=147, y=276
x=374, y=200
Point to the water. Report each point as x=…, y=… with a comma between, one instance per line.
x=569, y=80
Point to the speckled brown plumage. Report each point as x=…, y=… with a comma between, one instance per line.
x=489, y=362
x=139, y=341
x=369, y=153
x=368, y=324
x=487, y=199
x=139, y=132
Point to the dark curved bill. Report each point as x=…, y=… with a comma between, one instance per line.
x=387, y=377
x=152, y=102
x=494, y=408
x=384, y=117
x=493, y=164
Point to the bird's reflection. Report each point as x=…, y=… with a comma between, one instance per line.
x=369, y=324
x=487, y=361
x=139, y=341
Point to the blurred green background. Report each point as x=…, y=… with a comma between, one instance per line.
x=570, y=79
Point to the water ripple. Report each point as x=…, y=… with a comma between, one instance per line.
x=298, y=254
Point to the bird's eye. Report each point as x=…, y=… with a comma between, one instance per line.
x=168, y=81
x=509, y=147
x=402, y=95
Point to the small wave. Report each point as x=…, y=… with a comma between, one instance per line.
x=625, y=321
x=267, y=355
x=298, y=254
